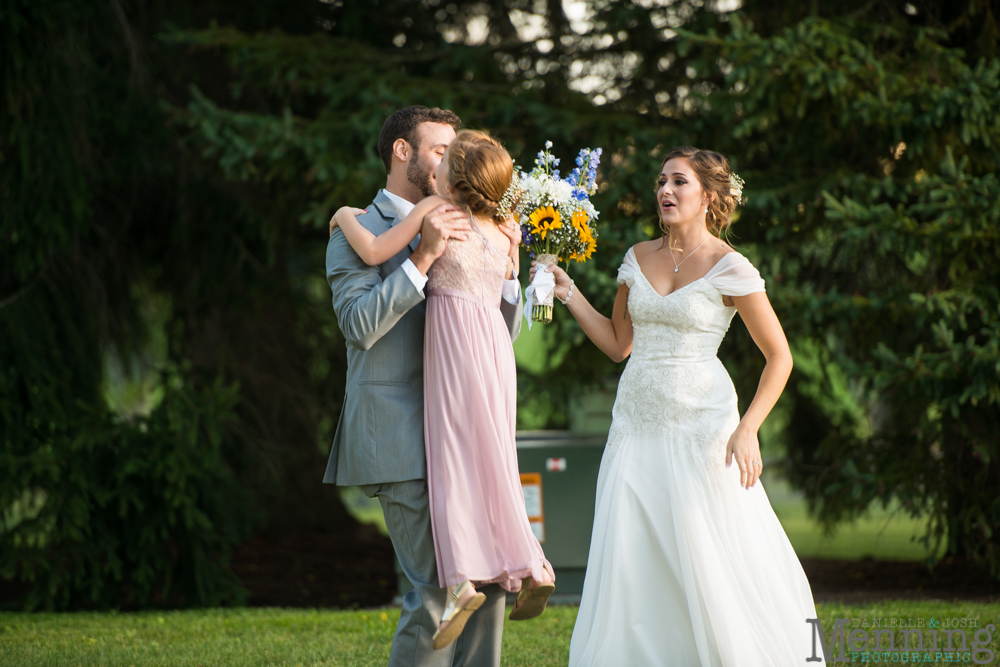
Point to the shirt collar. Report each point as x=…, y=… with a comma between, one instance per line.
x=403, y=206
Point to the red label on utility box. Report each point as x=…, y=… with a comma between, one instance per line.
x=556, y=464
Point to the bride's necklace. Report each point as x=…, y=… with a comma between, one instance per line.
x=677, y=267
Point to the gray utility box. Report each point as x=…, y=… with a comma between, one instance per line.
x=559, y=477
x=568, y=464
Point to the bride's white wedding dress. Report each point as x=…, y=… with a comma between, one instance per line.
x=686, y=567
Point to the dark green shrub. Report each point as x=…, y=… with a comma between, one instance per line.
x=127, y=514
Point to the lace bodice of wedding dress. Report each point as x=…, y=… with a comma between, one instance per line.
x=673, y=376
x=688, y=324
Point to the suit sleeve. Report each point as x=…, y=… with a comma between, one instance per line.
x=512, y=316
x=367, y=306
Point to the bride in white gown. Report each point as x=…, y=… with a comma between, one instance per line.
x=688, y=563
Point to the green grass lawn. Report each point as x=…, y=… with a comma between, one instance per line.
x=884, y=534
x=244, y=637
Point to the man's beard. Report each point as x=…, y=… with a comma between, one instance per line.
x=419, y=174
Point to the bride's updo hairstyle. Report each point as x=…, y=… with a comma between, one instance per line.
x=712, y=170
x=480, y=171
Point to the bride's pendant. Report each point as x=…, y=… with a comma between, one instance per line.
x=677, y=267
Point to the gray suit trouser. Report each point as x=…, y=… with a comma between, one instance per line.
x=407, y=516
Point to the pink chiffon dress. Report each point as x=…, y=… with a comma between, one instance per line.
x=478, y=518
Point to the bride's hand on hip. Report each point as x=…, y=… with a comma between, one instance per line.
x=563, y=281
x=744, y=447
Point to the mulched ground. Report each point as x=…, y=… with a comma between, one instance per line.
x=310, y=569
x=314, y=569
x=868, y=580
x=320, y=570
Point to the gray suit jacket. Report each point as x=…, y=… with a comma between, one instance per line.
x=380, y=435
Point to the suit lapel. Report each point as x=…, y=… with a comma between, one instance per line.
x=389, y=212
x=386, y=208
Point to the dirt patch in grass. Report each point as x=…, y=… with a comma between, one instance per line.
x=870, y=580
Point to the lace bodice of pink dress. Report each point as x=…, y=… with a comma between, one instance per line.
x=475, y=266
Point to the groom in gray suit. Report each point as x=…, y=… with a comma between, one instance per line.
x=379, y=443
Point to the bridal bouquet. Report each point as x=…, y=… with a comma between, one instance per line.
x=557, y=222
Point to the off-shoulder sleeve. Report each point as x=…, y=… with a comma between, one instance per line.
x=734, y=275
x=628, y=270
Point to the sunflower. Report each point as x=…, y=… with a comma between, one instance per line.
x=544, y=219
x=587, y=241
x=579, y=221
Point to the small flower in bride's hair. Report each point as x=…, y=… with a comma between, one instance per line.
x=736, y=187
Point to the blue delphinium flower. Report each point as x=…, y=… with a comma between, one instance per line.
x=527, y=240
x=593, y=160
x=585, y=175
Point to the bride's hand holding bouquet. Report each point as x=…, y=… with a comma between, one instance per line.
x=562, y=282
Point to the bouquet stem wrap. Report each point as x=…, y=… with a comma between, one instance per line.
x=538, y=296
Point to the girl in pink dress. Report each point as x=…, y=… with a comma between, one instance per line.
x=478, y=517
